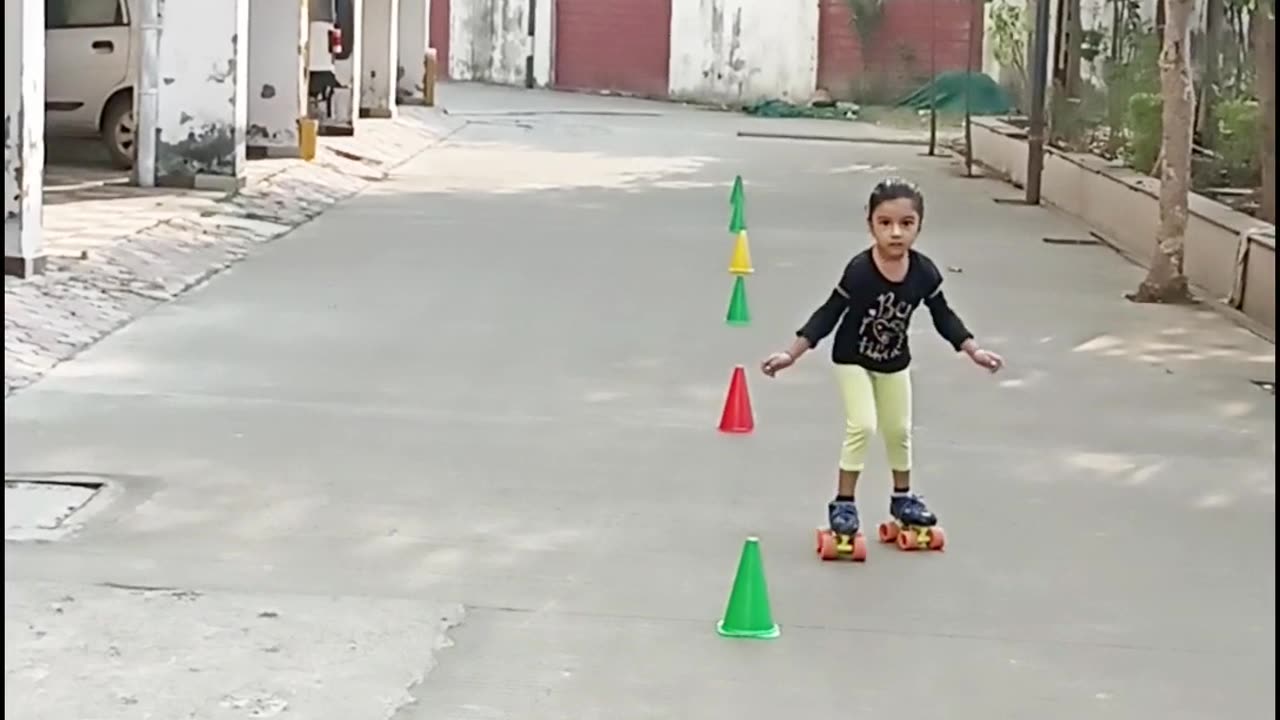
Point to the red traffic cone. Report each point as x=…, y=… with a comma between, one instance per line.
x=737, y=416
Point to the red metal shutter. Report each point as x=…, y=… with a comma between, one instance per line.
x=613, y=45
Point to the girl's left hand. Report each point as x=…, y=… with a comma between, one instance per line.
x=987, y=359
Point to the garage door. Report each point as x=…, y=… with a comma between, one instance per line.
x=618, y=45
x=439, y=31
x=839, y=57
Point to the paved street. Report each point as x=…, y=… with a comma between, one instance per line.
x=448, y=452
x=115, y=251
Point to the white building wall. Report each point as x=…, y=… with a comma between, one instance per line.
x=347, y=71
x=737, y=51
x=277, y=82
x=544, y=34
x=23, y=137
x=202, y=102
x=411, y=49
x=488, y=40
x=380, y=57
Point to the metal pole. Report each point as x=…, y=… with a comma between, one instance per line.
x=933, y=78
x=147, y=110
x=530, y=32
x=975, y=7
x=1035, y=128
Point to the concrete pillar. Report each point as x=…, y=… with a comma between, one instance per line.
x=346, y=70
x=380, y=58
x=278, y=32
x=543, y=49
x=412, y=43
x=23, y=137
x=203, y=108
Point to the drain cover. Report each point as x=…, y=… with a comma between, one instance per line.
x=36, y=510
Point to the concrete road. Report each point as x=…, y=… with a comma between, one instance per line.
x=493, y=381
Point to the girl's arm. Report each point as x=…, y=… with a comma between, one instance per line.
x=950, y=326
x=948, y=323
x=821, y=322
x=799, y=347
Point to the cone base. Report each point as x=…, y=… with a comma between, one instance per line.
x=741, y=271
x=737, y=323
x=766, y=634
x=736, y=430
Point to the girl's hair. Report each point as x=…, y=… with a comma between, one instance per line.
x=895, y=188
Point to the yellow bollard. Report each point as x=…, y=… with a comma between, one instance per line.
x=429, y=67
x=308, y=131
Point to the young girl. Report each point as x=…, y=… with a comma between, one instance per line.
x=873, y=302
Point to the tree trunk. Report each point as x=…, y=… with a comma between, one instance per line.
x=1075, y=46
x=1206, y=121
x=1165, y=281
x=1115, y=99
x=1264, y=28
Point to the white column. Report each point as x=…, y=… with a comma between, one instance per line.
x=412, y=43
x=23, y=137
x=278, y=31
x=379, y=58
x=543, y=49
x=346, y=70
x=202, y=112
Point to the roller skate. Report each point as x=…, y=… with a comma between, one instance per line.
x=843, y=538
x=913, y=527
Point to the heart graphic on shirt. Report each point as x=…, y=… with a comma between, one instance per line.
x=882, y=330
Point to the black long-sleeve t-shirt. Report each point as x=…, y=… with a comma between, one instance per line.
x=874, y=314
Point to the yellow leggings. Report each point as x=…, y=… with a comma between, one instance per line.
x=875, y=400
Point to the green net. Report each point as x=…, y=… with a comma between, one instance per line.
x=985, y=96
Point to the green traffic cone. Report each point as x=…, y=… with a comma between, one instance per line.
x=738, y=313
x=737, y=220
x=748, y=614
x=738, y=201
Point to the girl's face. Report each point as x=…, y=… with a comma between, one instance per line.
x=894, y=225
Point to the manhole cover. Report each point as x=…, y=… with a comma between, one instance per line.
x=41, y=510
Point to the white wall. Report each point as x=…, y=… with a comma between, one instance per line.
x=488, y=39
x=277, y=74
x=544, y=33
x=347, y=71
x=202, y=108
x=23, y=135
x=380, y=57
x=738, y=51
x=411, y=48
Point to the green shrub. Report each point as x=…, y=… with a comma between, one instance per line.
x=1237, y=142
x=1143, y=126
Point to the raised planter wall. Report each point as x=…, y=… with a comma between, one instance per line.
x=1123, y=206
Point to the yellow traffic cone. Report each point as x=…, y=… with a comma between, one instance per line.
x=740, y=264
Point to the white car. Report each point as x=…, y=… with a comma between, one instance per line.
x=89, y=73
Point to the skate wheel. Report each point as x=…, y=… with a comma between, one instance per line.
x=818, y=541
x=888, y=532
x=906, y=540
x=859, y=549
x=827, y=546
x=937, y=539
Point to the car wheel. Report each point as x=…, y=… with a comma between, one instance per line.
x=119, y=132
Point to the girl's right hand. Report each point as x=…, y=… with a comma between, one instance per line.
x=776, y=362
